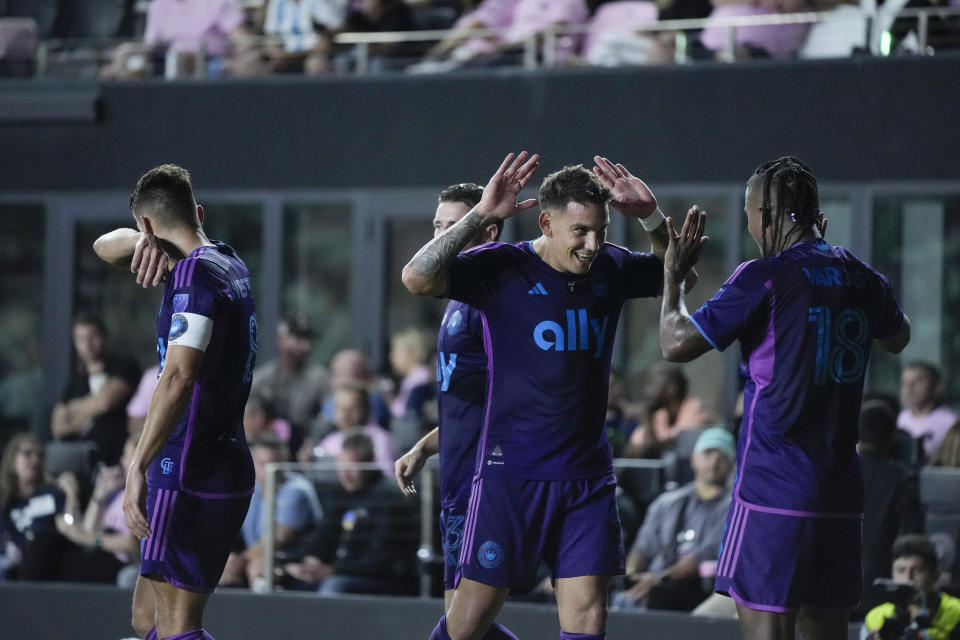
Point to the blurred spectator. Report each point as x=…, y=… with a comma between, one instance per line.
x=140, y=402
x=936, y=614
x=620, y=420
x=773, y=41
x=300, y=43
x=260, y=417
x=368, y=541
x=924, y=414
x=94, y=403
x=409, y=353
x=350, y=366
x=681, y=530
x=29, y=504
x=18, y=43
x=670, y=409
x=351, y=411
x=891, y=501
x=105, y=543
x=297, y=512
x=197, y=37
x=616, y=38
x=948, y=453
x=294, y=384
x=519, y=20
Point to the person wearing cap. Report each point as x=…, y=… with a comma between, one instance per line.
x=681, y=531
x=296, y=385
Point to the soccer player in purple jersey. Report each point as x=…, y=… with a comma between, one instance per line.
x=191, y=477
x=807, y=315
x=462, y=382
x=544, y=483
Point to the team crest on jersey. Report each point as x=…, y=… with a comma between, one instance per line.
x=490, y=555
x=180, y=302
x=455, y=322
x=166, y=466
x=178, y=326
x=601, y=288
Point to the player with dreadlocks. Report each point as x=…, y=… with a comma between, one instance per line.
x=807, y=315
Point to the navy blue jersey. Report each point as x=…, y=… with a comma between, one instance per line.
x=208, y=305
x=806, y=320
x=462, y=384
x=548, y=337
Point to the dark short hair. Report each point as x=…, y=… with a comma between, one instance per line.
x=468, y=193
x=298, y=325
x=931, y=369
x=90, y=319
x=167, y=192
x=876, y=424
x=573, y=183
x=358, y=441
x=271, y=441
x=916, y=544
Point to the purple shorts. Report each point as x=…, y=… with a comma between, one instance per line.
x=452, y=519
x=511, y=524
x=190, y=537
x=780, y=563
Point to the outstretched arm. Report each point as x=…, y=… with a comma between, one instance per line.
x=410, y=464
x=141, y=251
x=426, y=273
x=632, y=197
x=680, y=340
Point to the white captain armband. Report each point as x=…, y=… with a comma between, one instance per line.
x=190, y=330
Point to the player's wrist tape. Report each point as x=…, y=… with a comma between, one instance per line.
x=653, y=220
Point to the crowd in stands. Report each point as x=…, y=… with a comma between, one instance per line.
x=248, y=38
x=344, y=527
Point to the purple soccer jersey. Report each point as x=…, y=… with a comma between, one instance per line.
x=208, y=304
x=806, y=319
x=462, y=384
x=548, y=337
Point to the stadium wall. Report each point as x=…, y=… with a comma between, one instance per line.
x=859, y=119
x=83, y=612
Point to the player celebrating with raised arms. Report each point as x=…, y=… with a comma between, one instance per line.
x=191, y=477
x=544, y=484
x=807, y=315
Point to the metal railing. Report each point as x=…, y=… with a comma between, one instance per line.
x=427, y=494
x=540, y=50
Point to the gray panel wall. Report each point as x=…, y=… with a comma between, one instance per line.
x=852, y=120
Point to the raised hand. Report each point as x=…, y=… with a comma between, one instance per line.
x=684, y=249
x=149, y=262
x=631, y=195
x=500, y=195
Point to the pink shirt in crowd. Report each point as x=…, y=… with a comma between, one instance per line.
x=930, y=428
x=140, y=402
x=113, y=519
x=524, y=18
x=384, y=450
x=780, y=41
x=192, y=25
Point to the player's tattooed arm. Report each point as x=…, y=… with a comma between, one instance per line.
x=426, y=273
x=680, y=340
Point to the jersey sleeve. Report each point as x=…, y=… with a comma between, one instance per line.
x=726, y=316
x=195, y=298
x=641, y=276
x=474, y=275
x=890, y=315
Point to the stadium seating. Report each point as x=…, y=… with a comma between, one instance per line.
x=47, y=13
x=103, y=18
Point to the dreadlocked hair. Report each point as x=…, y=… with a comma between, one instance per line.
x=797, y=197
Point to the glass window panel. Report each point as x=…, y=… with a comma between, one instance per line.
x=641, y=320
x=21, y=318
x=405, y=238
x=916, y=244
x=128, y=310
x=316, y=272
x=237, y=224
